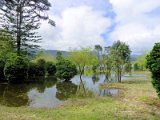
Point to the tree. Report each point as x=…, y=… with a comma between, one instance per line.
x=16, y=68
x=21, y=18
x=107, y=66
x=65, y=70
x=153, y=64
x=140, y=62
x=59, y=56
x=42, y=55
x=37, y=68
x=128, y=68
x=99, y=49
x=120, y=53
x=50, y=68
x=5, y=46
x=82, y=58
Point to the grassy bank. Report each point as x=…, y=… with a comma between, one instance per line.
x=136, y=99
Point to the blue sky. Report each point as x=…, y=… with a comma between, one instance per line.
x=82, y=23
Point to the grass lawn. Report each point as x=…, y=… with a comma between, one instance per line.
x=136, y=100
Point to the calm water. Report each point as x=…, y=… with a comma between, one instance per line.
x=49, y=93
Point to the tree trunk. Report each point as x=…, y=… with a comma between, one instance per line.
x=120, y=74
x=19, y=22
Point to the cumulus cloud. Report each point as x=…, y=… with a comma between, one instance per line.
x=134, y=23
x=61, y=5
x=76, y=27
x=88, y=22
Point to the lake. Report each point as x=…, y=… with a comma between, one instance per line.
x=51, y=92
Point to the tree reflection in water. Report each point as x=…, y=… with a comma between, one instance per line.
x=108, y=92
x=65, y=90
x=15, y=95
x=95, y=79
x=50, y=81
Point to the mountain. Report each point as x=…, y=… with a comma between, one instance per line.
x=65, y=54
x=53, y=52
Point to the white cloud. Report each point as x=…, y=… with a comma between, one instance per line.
x=77, y=26
x=60, y=5
x=134, y=25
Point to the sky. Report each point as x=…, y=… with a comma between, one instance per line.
x=84, y=23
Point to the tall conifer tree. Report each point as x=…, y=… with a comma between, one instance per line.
x=21, y=19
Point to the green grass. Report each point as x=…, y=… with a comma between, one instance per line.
x=136, y=100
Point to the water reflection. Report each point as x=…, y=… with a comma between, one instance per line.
x=65, y=90
x=46, y=99
x=15, y=97
x=51, y=92
x=108, y=92
x=95, y=79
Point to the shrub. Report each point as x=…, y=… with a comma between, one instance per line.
x=16, y=68
x=153, y=64
x=65, y=70
x=136, y=66
x=33, y=69
x=41, y=64
x=37, y=68
x=50, y=68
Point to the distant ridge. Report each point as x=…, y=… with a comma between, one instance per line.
x=53, y=52
x=65, y=54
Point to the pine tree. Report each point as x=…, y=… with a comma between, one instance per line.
x=21, y=19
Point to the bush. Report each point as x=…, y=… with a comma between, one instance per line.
x=16, y=68
x=37, y=68
x=65, y=70
x=50, y=68
x=136, y=66
x=153, y=64
x=41, y=67
x=33, y=69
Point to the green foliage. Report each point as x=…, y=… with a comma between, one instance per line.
x=59, y=56
x=107, y=65
x=128, y=67
x=140, y=62
x=121, y=50
x=37, y=68
x=16, y=68
x=136, y=66
x=65, y=70
x=5, y=45
x=41, y=55
x=41, y=67
x=94, y=68
x=153, y=64
x=120, y=53
x=82, y=58
x=2, y=63
x=23, y=19
x=33, y=69
x=98, y=49
x=50, y=68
